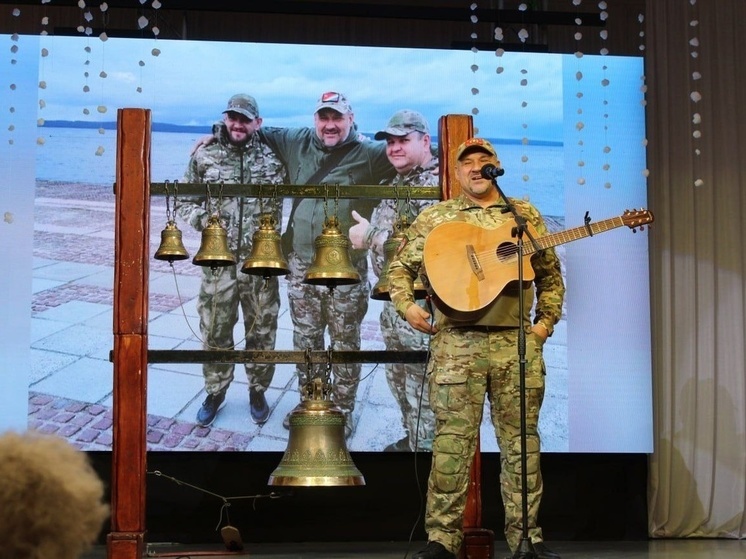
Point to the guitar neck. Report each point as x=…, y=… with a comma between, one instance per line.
x=549, y=241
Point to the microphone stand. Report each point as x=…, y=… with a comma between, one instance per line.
x=525, y=547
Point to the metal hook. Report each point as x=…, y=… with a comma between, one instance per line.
x=407, y=211
x=220, y=194
x=208, y=200
x=176, y=191
x=328, y=372
x=336, y=199
x=309, y=365
x=168, y=207
x=261, y=199
x=397, y=199
x=326, y=202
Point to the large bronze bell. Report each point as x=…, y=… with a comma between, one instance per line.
x=171, y=247
x=380, y=291
x=331, y=264
x=266, y=258
x=213, y=250
x=316, y=454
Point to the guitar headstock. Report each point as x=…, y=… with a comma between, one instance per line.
x=635, y=219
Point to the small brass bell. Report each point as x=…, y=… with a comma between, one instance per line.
x=213, y=250
x=380, y=291
x=266, y=258
x=316, y=454
x=171, y=247
x=331, y=264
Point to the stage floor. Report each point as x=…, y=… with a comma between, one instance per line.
x=654, y=549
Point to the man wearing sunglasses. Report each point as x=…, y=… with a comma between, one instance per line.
x=235, y=155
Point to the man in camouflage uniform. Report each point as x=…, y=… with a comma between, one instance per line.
x=408, y=148
x=317, y=309
x=476, y=354
x=236, y=156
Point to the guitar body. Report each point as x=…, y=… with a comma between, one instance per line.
x=468, y=266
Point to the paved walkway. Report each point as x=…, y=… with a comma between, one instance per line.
x=70, y=386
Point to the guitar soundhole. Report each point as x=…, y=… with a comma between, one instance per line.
x=506, y=251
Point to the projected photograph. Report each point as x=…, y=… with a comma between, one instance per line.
x=569, y=133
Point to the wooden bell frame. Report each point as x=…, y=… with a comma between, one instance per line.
x=130, y=354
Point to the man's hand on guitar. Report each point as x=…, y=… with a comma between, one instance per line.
x=419, y=319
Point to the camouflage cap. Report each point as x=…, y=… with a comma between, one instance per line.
x=402, y=123
x=335, y=101
x=244, y=105
x=475, y=144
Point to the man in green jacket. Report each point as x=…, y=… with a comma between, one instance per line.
x=316, y=310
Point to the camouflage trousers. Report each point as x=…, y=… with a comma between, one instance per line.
x=220, y=295
x=465, y=366
x=317, y=311
x=407, y=380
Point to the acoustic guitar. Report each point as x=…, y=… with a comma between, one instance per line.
x=467, y=266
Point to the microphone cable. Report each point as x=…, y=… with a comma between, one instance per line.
x=422, y=499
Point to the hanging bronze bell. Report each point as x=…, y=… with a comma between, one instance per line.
x=331, y=264
x=380, y=291
x=171, y=247
x=266, y=258
x=316, y=454
x=213, y=250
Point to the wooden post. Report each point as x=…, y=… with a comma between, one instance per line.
x=453, y=130
x=131, y=252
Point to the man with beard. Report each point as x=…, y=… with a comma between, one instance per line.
x=473, y=356
x=332, y=152
x=236, y=156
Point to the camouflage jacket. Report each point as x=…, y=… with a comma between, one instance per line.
x=504, y=310
x=386, y=213
x=221, y=161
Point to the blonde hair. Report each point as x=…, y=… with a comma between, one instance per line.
x=51, y=499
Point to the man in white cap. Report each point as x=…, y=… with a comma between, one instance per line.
x=331, y=152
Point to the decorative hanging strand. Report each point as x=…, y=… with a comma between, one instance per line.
x=695, y=95
x=580, y=125
x=604, y=85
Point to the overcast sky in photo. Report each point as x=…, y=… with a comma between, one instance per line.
x=189, y=82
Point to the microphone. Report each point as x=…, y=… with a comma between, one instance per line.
x=491, y=171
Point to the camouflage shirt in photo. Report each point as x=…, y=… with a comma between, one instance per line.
x=386, y=213
x=407, y=381
x=222, y=162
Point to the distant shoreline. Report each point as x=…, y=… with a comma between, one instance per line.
x=203, y=129
x=157, y=126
